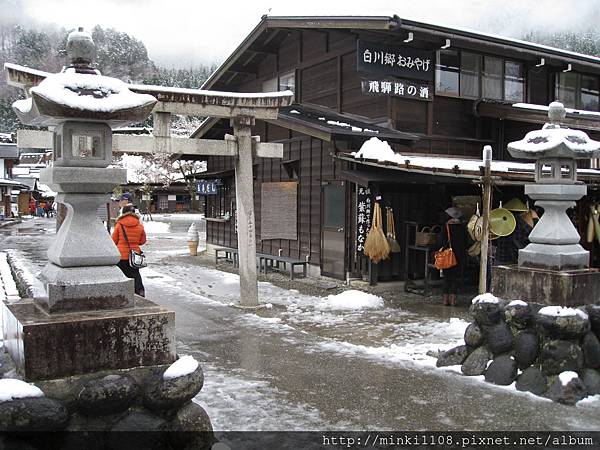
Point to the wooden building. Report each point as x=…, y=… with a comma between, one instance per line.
x=427, y=90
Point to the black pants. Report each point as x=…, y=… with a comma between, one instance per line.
x=131, y=272
x=451, y=280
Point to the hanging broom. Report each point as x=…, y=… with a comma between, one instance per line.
x=391, y=231
x=376, y=244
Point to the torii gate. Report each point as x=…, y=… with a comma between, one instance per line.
x=242, y=110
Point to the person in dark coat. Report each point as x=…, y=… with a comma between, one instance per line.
x=507, y=247
x=458, y=239
x=130, y=222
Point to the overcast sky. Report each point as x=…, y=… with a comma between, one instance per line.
x=180, y=33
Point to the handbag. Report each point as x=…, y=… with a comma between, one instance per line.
x=445, y=257
x=137, y=260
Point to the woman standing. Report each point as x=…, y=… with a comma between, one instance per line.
x=457, y=240
x=129, y=228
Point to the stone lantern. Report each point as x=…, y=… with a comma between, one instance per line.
x=91, y=315
x=554, y=267
x=554, y=240
x=82, y=105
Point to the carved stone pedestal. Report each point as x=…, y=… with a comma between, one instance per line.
x=46, y=346
x=548, y=287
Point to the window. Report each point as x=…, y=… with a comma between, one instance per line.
x=492, y=78
x=220, y=205
x=470, y=74
x=514, y=81
x=287, y=81
x=566, y=88
x=446, y=72
x=590, y=88
x=576, y=90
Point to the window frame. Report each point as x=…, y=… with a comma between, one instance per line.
x=578, y=90
x=482, y=57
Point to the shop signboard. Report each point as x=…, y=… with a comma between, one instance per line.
x=395, y=60
x=364, y=207
x=413, y=89
x=207, y=187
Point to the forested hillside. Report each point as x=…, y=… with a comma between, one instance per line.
x=118, y=55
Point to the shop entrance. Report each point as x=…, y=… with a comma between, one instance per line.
x=333, y=247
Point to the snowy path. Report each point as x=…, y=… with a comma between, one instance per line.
x=302, y=364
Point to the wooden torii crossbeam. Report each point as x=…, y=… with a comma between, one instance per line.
x=241, y=108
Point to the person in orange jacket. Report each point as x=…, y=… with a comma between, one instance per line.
x=129, y=222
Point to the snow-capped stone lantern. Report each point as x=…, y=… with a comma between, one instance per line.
x=82, y=106
x=554, y=240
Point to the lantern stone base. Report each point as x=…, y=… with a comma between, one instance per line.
x=548, y=287
x=71, y=289
x=46, y=346
x=554, y=257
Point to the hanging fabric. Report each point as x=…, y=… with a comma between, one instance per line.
x=589, y=237
x=391, y=230
x=595, y=214
x=376, y=244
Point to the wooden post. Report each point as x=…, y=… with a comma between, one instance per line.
x=487, y=194
x=244, y=193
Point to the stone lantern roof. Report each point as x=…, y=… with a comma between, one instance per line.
x=555, y=141
x=81, y=93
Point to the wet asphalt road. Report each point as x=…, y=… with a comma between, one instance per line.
x=272, y=378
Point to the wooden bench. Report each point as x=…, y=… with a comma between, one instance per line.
x=228, y=254
x=274, y=261
x=265, y=261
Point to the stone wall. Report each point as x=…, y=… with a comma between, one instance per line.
x=133, y=408
x=550, y=351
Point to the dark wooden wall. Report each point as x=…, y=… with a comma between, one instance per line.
x=324, y=62
x=315, y=166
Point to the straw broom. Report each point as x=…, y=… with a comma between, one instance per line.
x=391, y=231
x=376, y=244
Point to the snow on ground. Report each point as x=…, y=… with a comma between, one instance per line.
x=155, y=227
x=225, y=390
x=351, y=300
x=179, y=216
x=28, y=272
x=352, y=323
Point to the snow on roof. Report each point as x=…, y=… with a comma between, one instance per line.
x=381, y=151
x=350, y=300
x=46, y=191
x=183, y=366
x=101, y=94
x=11, y=389
x=485, y=298
x=545, y=108
x=167, y=90
x=20, y=68
x=561, y=311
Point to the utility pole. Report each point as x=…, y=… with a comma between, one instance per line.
x=487, y=195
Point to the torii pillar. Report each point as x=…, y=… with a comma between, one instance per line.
x=241, y=109
x=244, y=195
